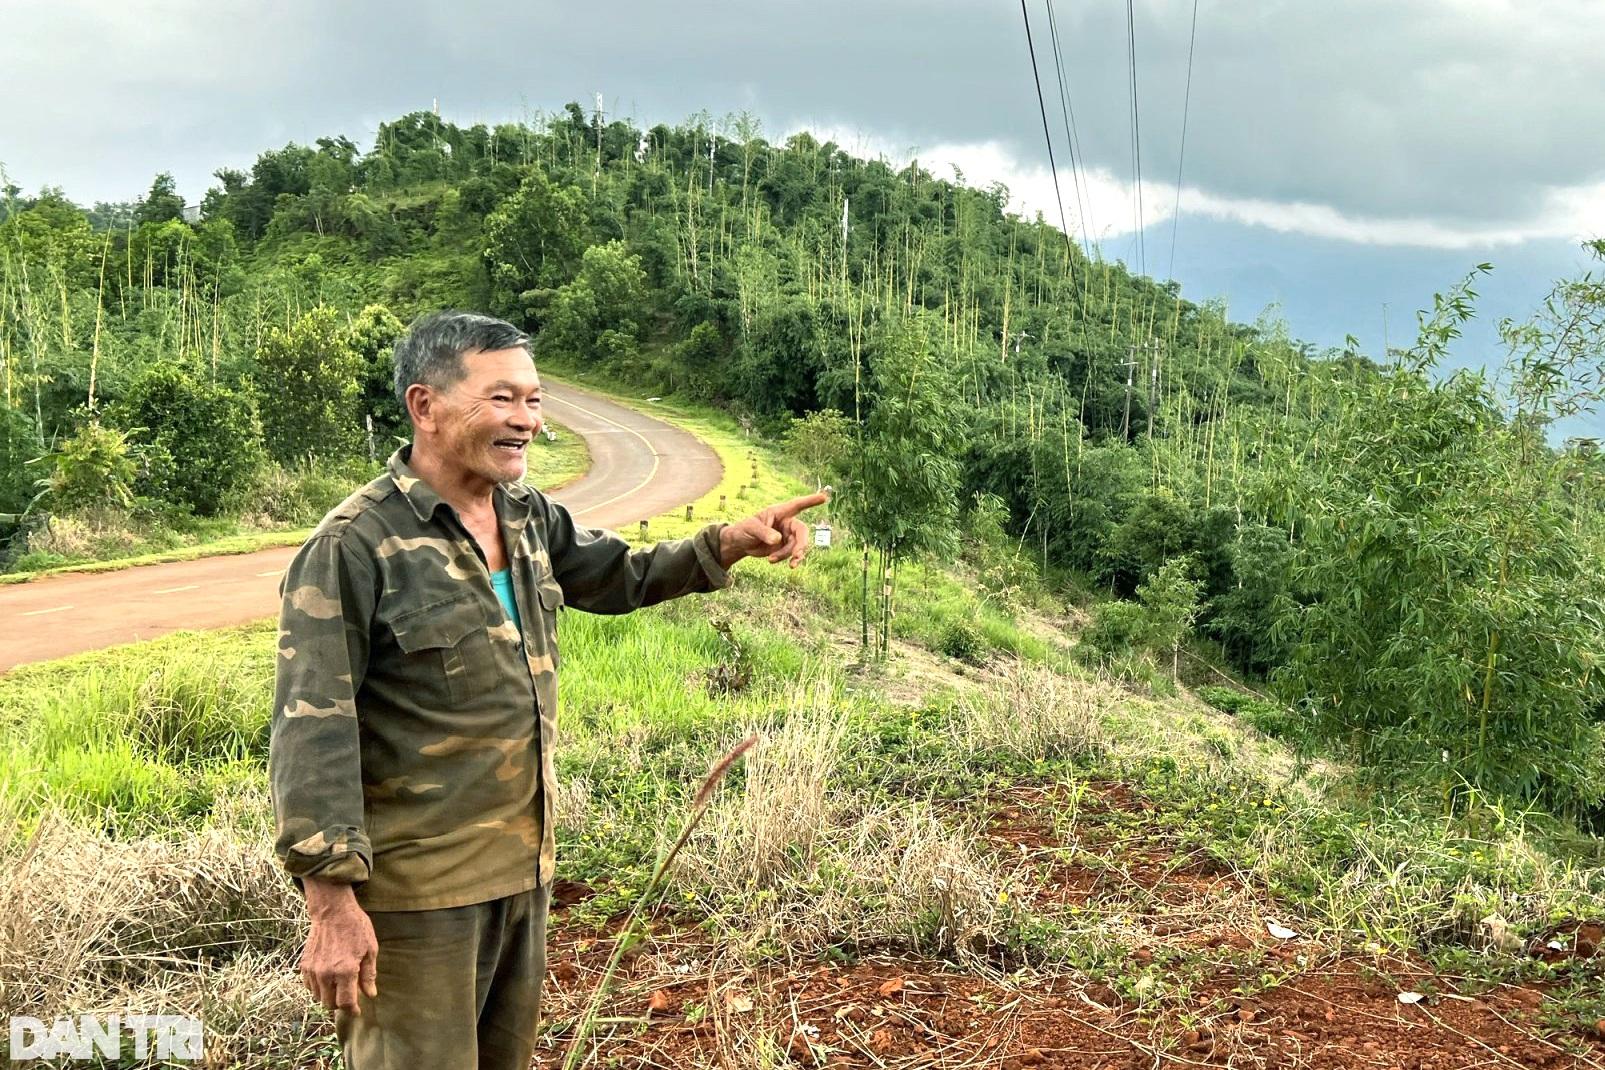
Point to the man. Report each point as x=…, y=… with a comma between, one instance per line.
x=416, y=700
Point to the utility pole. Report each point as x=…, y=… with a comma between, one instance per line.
x=1130, y=366
x=1153, y=382
x=598, y=172
x=844, y=243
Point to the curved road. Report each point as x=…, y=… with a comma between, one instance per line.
x=640, y=468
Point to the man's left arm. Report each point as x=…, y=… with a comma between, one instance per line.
x=600, y=573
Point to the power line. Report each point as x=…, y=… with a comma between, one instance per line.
x=1181, y=156
x=1136, y=134
x=1072, y=136
x=1052, y=166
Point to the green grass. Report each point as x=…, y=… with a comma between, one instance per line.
x=141, y=736
x=244, y=543
x=555, y=464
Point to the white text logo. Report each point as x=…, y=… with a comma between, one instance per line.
x=163, y=1036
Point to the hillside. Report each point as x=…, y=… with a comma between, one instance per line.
x=1394, y=559
x=975, y=852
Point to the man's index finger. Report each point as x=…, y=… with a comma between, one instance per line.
x=797, y=505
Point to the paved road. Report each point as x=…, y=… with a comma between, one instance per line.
x=640, y=468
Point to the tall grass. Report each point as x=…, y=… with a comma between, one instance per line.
x=139, y=740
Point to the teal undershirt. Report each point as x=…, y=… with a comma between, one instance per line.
x=503, y=583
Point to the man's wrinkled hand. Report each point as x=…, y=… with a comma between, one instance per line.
x=341, y=952
x=774, y=533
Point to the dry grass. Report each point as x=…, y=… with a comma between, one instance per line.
x=1040, y=713
x=797, y=864
x=88, y=535
x=198, y=923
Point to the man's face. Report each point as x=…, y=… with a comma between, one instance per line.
x=488, y=417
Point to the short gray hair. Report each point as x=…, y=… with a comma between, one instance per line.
x=433, y=349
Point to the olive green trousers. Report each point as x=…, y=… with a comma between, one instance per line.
x=459, y=988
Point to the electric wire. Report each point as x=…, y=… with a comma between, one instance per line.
x=1136, y=134
x=1053, y=167
x=1072, y=135
x=1181, y=155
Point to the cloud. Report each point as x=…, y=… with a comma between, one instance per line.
x=1105, y=207
x=1418, y=122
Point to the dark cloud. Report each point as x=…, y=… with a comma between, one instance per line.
x=1462, y=111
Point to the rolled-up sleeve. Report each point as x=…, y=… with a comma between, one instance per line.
x=600, y=573
x=314, y=753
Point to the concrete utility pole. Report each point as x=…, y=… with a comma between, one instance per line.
x=844, y=241
x=1130, y=366
x=1153, y=383
x=598, y=172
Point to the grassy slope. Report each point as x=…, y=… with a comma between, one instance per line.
x=862, y=822
x=552, y=465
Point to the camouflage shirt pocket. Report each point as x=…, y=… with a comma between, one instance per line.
x=551, y=600
x=453, y=633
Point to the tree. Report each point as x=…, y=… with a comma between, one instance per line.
x=534, y=241
x=373, y=335
x=1245, y=616
x=902, y=480
x=596, y=317
x=1159, y=527
x=1451, y=631
x=310, y=378
x=162, y=203
x=19, y=449
x=699, y=357
x=1170, y=598
x=200, y=441
x=819, y=442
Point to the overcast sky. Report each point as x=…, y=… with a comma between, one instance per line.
x=1340, y=155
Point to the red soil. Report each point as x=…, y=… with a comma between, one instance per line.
x=1329, y=1009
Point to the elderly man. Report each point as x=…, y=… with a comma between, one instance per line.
x=416, y=700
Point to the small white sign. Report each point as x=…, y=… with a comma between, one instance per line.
x=821, y=534
x=162, y=1036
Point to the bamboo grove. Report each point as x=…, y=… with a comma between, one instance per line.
x=1403, y=553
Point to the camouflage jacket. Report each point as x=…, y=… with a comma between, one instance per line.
x=404, y=752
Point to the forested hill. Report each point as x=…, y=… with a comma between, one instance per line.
x=1402, y=553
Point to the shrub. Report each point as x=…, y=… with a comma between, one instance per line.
x=93, y=468
x=301, y=494
x=1159, y=527
x=1271, y=718
x=962, y=640
x=1115, y=631
x=1126, y=636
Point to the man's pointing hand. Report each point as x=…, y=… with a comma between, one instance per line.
x=774, y=532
